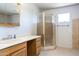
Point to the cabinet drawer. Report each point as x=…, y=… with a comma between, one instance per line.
x=21, y=52
x=38, y=39
x=9, y=50
x=38, y=44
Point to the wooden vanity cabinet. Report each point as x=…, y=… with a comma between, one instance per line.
x=34, y=47
x=16, y=50
x=29, y=48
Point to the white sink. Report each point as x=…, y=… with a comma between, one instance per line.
x=8, y=41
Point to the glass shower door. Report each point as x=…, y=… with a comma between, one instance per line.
x=48, y=30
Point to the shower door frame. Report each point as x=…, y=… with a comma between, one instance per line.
x=54, y=39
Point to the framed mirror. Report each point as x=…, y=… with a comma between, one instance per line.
x=9, y=14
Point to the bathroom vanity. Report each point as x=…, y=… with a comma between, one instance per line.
x=23, y=46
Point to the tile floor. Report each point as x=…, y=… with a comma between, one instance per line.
x=60, y=52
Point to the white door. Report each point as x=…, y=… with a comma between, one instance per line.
x=64, y=31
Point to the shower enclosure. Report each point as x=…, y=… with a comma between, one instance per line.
x=46, y=28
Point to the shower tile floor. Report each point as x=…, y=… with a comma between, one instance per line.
x=60, y=52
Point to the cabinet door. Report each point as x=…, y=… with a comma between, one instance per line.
x=21, y=52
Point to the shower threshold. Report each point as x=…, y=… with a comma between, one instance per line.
x=49, y=48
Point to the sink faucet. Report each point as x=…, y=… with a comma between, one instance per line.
x=9, y=37
x=14, y=36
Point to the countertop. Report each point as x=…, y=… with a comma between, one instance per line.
x=18, y=40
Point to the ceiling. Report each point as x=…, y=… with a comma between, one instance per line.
x=10, y=8
x=47, y=6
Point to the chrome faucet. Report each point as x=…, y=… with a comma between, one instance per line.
x=9, y=37
x=14, y=36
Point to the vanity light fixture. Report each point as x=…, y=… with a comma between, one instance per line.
x=18, y=6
